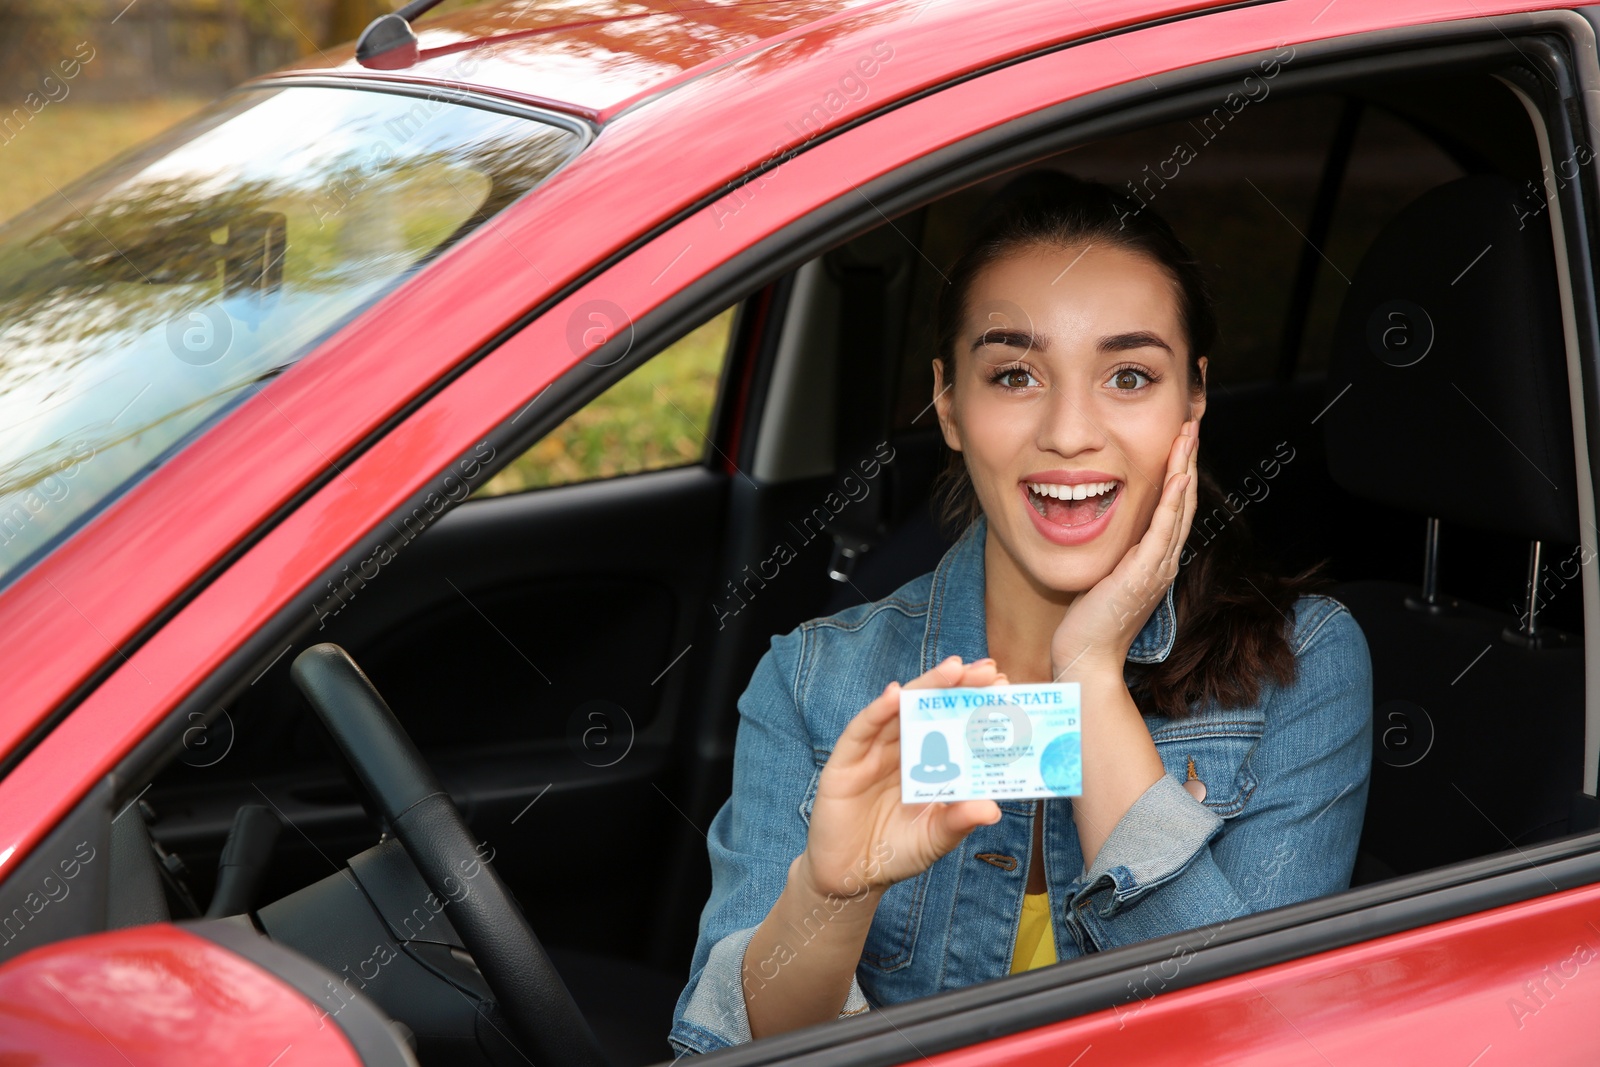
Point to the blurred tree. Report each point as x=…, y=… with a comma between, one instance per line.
x=302, y=23
x=32, y=33
x=347, y=18
x=235, y=38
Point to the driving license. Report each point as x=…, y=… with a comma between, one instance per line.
x=995, y=742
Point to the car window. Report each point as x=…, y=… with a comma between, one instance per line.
x=160, y=290
x=657, y=417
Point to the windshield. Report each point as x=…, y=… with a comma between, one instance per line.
x=143, y=300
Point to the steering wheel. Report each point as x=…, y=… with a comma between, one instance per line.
x=527, y=989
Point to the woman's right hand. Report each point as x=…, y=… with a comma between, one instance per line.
x=862, y=835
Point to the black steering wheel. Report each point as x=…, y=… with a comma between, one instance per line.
x=527, y=989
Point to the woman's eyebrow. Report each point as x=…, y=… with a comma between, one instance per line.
x=1013, y=338
x=1123, y=342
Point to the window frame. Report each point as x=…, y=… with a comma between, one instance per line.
x=730, y=348
x=1395, y=906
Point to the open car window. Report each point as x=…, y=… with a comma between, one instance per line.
x=152, y=295
x=657, y=417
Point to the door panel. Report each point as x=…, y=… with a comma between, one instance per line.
x=527, y=644
x=1506, y=986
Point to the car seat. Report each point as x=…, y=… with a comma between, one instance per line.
x=1448, y=401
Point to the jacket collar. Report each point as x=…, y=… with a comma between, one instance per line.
x=956, y=625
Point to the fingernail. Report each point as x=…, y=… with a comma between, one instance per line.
x=981, y=662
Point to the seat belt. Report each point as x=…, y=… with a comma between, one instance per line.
x=861, y=409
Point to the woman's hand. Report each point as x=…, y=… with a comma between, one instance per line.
x=1098, y=629
x=862, y=840
x=862, y=836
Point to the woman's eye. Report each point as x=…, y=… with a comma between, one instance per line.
x=1128, y=378
x=1015, y=378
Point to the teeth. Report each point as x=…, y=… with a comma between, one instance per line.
x=1081, y=491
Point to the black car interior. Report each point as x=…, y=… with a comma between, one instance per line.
x=1472, y=393
x=566, y=661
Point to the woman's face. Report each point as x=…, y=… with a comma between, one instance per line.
x=1069, y=388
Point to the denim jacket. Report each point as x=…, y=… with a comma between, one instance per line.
x=1285, y=791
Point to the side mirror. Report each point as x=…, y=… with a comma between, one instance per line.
x=65, y=1001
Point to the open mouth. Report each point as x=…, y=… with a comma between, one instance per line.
x=1072, y=505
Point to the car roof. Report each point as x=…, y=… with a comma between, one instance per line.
x=589, y=58
x=596, y=59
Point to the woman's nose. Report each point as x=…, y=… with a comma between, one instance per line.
x=1067, y=422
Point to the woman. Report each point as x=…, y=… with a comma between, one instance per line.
x=1226, y=717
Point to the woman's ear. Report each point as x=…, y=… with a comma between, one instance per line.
x=1197, y=407
x=942, y=401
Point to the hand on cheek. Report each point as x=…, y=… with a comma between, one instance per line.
x=1097, y=631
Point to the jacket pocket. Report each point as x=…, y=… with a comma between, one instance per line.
x=894, y=925
x=1216, y=755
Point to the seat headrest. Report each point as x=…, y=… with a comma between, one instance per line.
x=1450, y=343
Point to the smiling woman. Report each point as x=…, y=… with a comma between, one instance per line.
x=1112, y=366
x=1224, y=711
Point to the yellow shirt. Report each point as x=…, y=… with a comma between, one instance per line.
x=1036, y=941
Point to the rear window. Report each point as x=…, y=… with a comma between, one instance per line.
x=139, y=303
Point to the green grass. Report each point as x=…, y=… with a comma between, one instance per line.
x=656, y=417
x=67, y=139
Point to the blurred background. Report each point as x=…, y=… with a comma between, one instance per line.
x=82, y=80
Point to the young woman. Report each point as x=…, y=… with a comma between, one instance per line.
x=1226, y=717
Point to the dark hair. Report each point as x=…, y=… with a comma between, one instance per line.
x=1232, y=613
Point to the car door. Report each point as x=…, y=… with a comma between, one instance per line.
x=1259, y=987
x=527, y=644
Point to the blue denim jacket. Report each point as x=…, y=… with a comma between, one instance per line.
x=1286, y=787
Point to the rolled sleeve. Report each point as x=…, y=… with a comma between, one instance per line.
x=1172, y=864
x=1155, y=839
x=1163, y=837
x=715, y=1015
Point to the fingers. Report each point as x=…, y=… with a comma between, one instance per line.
x=951, y=672
x=980, y=673
x=868, y=725
x=1170, y=507
x=1191, y=500
x=1178, y=454
x=946, y=673
x=1150, y=556
x=952, y=821
x=1187, y=497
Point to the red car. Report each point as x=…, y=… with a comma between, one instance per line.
x=338, y=373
